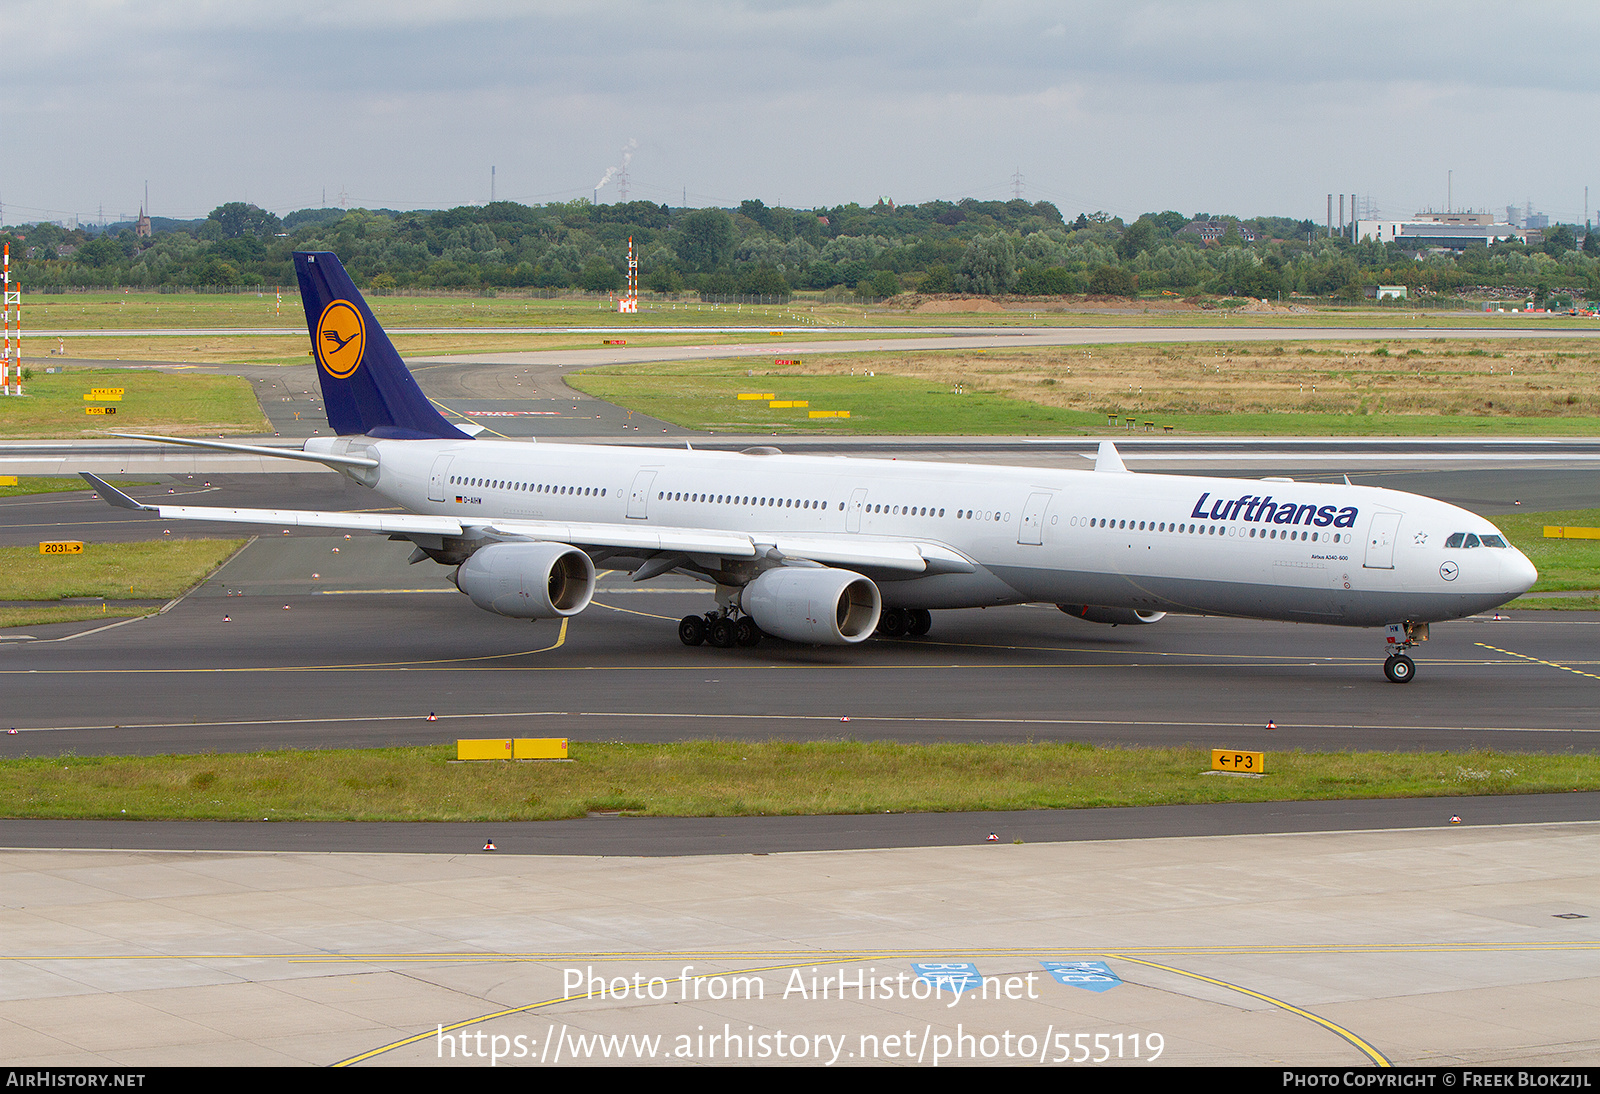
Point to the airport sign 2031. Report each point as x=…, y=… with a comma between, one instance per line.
x=61, y=547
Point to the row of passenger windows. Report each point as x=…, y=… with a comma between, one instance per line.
x=1211, y=530
x=711, y=499
x=731, y=499
x=801, y=503
x=1467, y=539
x=905, y=510
x=529, y=487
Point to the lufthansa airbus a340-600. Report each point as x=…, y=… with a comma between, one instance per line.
x=830, y=550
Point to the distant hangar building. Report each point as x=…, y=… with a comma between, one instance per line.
x=1455, y=231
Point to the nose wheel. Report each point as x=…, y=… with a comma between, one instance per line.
x=1400, y=669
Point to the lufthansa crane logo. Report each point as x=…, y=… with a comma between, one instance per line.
x=341, y=339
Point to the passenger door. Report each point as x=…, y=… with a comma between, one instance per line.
x=1380, y=541
x=438, y=479
x=852, y=516
x=639, y=497
x=1031, y=530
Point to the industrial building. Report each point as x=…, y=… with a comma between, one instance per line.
x=1456, y=231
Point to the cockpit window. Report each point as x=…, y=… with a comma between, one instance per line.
x=1472, y=541
x=1455, y=540
x=1493, y=541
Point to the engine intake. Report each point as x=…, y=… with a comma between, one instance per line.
x=1098, y=613
x=821, y=606
x=528, y=580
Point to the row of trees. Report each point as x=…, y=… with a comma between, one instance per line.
x=987, y=248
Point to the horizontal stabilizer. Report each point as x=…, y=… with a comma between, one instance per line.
x=1109, y=459
x=325, y=458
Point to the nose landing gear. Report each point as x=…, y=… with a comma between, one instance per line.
x=1398, y=667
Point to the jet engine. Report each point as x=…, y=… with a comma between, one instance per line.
x=528, y=580
x=821, y=606
x=1097, y=613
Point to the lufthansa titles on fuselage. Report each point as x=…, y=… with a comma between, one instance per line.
x=1264, y=510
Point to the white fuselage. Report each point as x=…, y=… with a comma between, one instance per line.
x=1270, y=549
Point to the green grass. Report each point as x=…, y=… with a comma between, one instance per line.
x=155, y=402
x=37, y=617
x=703, y=395
x=27, y=484
x=290, y=347
x=150, y=570
x=1563, y=563
x=1533, y=602
x=153, y=311
x=134, y=310
x=722, y=778
x=1294, y=424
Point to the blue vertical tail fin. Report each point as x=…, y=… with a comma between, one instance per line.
x=366, y=387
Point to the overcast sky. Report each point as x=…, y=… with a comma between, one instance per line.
x=1225, y=107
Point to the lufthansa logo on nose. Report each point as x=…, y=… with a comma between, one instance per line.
x=341, y=339
x=1448, y=571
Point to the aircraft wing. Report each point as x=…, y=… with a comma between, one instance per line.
x=834, y=550
x=394, y=523
x=643, y=537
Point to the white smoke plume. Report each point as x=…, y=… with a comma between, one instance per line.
x=627, y=156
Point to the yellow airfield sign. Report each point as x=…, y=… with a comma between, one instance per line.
x=1227, y=759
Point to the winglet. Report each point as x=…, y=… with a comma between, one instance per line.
x=112, y=496
x=1107, y=459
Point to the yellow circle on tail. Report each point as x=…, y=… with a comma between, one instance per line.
x=341, y=339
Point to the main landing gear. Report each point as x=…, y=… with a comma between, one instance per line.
x=904, y=622
x=1398, y=667
x=721, y=630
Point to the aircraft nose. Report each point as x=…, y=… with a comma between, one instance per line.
x=1517, y=573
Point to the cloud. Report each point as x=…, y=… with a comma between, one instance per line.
x=1230, y=105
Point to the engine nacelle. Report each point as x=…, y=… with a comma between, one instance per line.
x=528, y=580
x=821, y=606
x=1097, y=613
